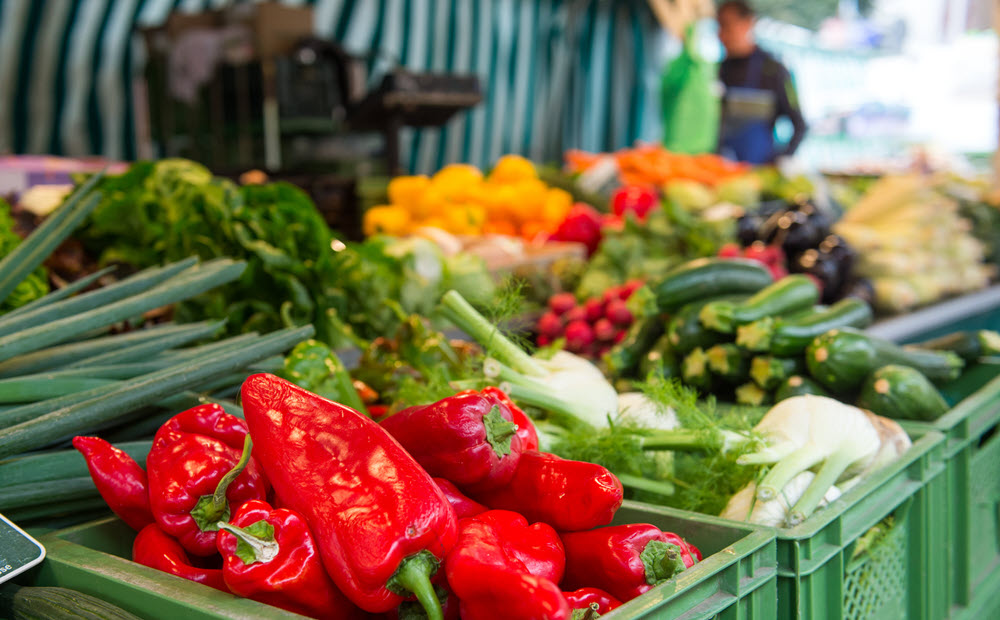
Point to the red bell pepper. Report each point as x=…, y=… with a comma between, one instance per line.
x=625, y=560
x=525, y=427
x=119, y=479
x=583, y=225
x=489, y=592
x=591, y=598
x=196, y=470
x=504, y=539
x=468, y=439
x=634, y=199
x=156, y=549
x=270, y=556
x=381, y=524
x=464, y=506
x=568, y=495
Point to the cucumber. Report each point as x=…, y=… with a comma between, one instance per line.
x=623, y=359
x=709, y=277
x=727, y=361
x=791, y=336
x=686, y=332
x=797, y=385
x=769, y=371
x=789, y=294
x=661, y=360
x=50, y=603
x=840, y=359
x=901, y=392
x=752, y=394
x=970, y=346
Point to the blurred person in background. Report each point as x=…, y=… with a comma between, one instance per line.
x=758, y=91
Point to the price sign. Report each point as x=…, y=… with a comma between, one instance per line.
x=18, y=551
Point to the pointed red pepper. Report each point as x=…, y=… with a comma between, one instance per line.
x=586, y=599
x=568, y=495
x=199, y=465
x=625, y=560
x=525, y=427
x=119, y=479
x=464, y=506
x=381, y=524
x=156, y=549
x=468, y=439
x=500, y=562
x=270, y=556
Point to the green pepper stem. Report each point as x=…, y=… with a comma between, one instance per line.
x=456, y=309
x=828, y=474
x=219, y=497
x=666, y=489
x=414, y=575
x=262, y=549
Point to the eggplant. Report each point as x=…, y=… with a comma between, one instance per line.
x=831, y=262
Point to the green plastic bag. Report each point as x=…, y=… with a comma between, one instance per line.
x=688, y=101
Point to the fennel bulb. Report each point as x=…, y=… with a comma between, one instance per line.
x=744, y=506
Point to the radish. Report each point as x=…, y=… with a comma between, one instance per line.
x=730, y=250
x=579, y=336
x=618, y=313
x=562, y=303
x=611, y=294
x=633, y=285
x=549, y=325
x=620, y=335
x=604, y=330
x=594, y=309
x=543, y=340
x=577, y=313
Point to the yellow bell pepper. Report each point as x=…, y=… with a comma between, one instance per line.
x=558, y=202
x=457, y=182
x=406, y=191
x=386, y=220
x=529, y=199
x=466, y=219
x=513, y=168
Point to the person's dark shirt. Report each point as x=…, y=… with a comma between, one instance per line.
x=775, y=78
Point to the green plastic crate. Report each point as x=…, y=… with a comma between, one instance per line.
x=735, y=581
x=966, y=500
x=818, y=577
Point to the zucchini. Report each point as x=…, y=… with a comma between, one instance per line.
x=791, y=336
x=623, y=359
x=752, y=394
x=694, y=369
x=840, y=359
x=789, y=294
x=797, y=385
x=661, y=360
x=709, y=277
x=686, y=332
x=970, y=346
x=769, y=371
x=727, y=361
x=51, y=603
x=901, y=392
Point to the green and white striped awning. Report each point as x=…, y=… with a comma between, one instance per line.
x=557, y=73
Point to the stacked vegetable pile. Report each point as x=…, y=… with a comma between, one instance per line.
x=511, y=200
x=665, y=446
x=296, y=272
x=590, y=328
x=913, y=244
x=63, y=373
x=457, y=488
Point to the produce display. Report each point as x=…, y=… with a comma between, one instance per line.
x=200, y=507
x=709, y=356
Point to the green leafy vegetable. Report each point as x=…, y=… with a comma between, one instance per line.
x=34, y=286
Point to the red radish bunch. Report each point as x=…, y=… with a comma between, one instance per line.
x=772, y=256
x=590, y=328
